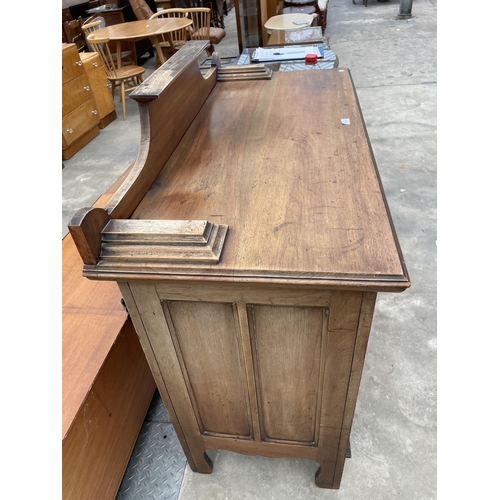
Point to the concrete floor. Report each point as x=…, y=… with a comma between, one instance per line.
x=393, y=440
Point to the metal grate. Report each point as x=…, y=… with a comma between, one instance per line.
x=157, y=464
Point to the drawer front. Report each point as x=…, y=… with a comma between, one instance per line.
x=72, y=67
x=79, y=121
x=100, y=86
x=75, y=93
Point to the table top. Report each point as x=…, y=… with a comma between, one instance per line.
x=297, y=185
x=141, y=29
x=286, y=21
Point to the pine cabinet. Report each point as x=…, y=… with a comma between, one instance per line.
x=80, y=118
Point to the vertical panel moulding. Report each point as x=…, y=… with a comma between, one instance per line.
x=241, y=317
x=182, y=364
x=341, y=335
x=207, y=342
x=142, y=298
x=287, y=342
x=362, y=336
x=321, y=377
x=153, y=365
x=255, y=364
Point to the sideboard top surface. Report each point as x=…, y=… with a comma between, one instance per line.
x=286, y=163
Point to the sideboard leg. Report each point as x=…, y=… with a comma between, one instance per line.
x=202, y=463
x=324, y=477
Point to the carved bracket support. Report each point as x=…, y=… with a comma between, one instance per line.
x=85, y=228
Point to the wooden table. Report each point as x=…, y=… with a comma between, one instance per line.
x=137, y=30
x=286, y=22
x=249, y=248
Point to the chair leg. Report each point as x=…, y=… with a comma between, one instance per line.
x=122, y=97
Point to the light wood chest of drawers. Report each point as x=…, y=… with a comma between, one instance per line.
x=80, y=118
x=99, y=87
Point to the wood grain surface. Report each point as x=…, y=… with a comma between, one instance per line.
x=299, y=190
x=141, y=29
x=92, y=316
x=99, y=443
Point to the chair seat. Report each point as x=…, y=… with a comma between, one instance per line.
x=128, y=72
x=216, y=35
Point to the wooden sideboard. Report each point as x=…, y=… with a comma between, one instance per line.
x=249, y=241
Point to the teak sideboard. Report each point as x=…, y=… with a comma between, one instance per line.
x=249, y=242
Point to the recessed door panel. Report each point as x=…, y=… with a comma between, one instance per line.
x=207, y=340
x=287, y=348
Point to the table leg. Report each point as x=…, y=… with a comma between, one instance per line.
x=159, y=52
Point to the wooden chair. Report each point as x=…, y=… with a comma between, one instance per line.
x=201, y=29
x=179, y=37
x=95, y=23
x=127, y=77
